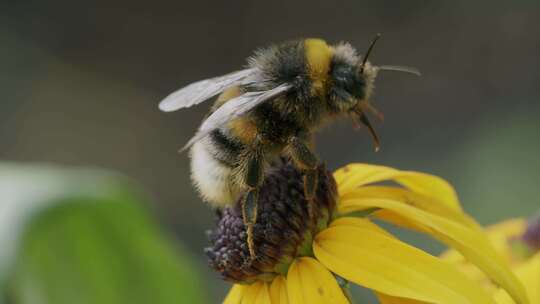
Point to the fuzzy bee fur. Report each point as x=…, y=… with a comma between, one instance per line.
x=270, y=109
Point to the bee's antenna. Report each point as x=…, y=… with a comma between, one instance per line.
x=369, y=51
x=399, y=68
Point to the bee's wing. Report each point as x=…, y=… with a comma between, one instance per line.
x=234, y=108
x=200, y=91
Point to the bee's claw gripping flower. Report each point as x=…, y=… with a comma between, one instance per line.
x=281, y=227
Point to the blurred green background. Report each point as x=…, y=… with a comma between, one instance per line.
x=79, y=87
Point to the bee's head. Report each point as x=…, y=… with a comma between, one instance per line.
x=351, y=78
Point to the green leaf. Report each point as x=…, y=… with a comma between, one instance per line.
x=82, y=236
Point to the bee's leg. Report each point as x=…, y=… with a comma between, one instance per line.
x=253, y=180
x=307, y=161
x=249, y=214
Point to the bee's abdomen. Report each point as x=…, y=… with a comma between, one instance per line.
x=225, y=149
x=213, y=161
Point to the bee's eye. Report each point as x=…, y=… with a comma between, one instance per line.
x=346, y=78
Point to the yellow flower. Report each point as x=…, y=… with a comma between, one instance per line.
x=347, y=246
x=519, y=243
x=529, y=274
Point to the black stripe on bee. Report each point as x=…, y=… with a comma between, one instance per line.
x=284, y=63
x=226, y=150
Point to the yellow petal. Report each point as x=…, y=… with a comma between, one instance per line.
x=470, y=242
x=386, y=299
x=529, y=274
x=235, y=295
x=264, y=295
x=251, y=292
x=373, y=259
x=308, y=282
x=278, y=291
x=458, y=260
x=476, y=275
x=256, y=293
x=358, y=222
x=503, y=298
x=508, y=228
x=355, y=175
x=500, y=235
x=426, y=203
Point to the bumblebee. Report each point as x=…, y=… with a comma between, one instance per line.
x=271, y=109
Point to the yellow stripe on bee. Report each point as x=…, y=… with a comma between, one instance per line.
x=318, y=57
x=244, y=129
x=227, y=95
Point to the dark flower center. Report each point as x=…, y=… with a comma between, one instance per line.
x=532, y=235
x=284, y=229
